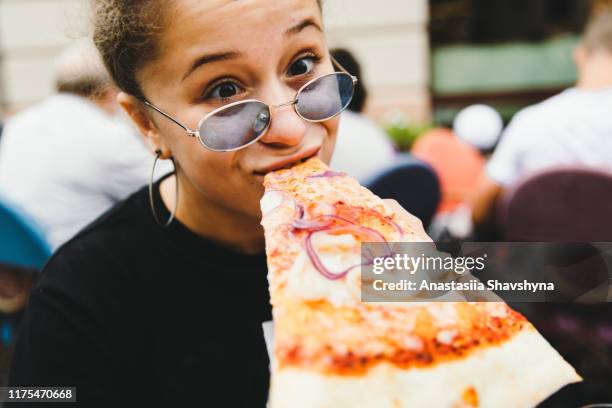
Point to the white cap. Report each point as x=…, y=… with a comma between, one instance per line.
x=478, y=125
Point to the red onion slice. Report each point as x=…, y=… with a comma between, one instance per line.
x=396, y=226
x=300, y=212
x=364, y=233
x=310, y=225
x=324, y=222
x=328, y=173
x=318, y=264
x=272, y=200
x=341, y=225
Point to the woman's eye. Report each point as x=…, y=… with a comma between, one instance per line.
x=302, y=66
x=224, y=91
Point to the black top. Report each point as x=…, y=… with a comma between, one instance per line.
x=134, y=314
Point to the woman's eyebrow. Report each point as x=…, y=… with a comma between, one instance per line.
x=308, y=22
x=210, y=58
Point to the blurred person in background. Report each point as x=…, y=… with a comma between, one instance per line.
x=69, y=158
x=362, y=148
x=571, y=128
x=458, y=165
x=458, y=156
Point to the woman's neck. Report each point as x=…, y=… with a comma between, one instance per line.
x=219, y=224
x=596, y=72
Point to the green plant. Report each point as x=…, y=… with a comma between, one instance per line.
x=404, y=134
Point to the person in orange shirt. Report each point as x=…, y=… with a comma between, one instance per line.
x=457, y=164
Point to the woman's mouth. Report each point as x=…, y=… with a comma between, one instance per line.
x=289, y=161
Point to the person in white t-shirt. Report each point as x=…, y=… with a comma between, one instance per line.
x=69, y=158
x=571, y=128
x=362, y=148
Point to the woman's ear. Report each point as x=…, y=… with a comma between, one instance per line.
x=148, y=130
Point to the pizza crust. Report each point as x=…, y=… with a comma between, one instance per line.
x=521, y=372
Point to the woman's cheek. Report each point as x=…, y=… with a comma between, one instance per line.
x=205, y=169
x=329, y=144
x=242, y=194
x=220, y=178
x=250, y=197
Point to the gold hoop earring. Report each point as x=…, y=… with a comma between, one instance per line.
x=151, y=201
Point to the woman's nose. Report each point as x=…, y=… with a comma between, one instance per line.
x=286, y=127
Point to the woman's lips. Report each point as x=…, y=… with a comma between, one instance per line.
x=289, y=161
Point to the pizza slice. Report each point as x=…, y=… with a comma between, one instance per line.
x=332, y=350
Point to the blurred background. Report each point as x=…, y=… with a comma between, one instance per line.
x=32, y=35
x=441, y=83
x=425, y=59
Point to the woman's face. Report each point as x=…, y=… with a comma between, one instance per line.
x=215, y=52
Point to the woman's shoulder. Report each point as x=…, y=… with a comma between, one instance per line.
x=89, y=289
x=112, y=241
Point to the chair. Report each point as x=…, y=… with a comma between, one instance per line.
x=564, y=204
x=571, y=206
x=413, y=184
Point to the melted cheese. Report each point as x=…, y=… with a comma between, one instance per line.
x=444, y=314
x=270, y=201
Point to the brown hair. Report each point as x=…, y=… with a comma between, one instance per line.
x=126, y=33
x=598, y=34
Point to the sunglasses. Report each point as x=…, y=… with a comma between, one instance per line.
x=240, y=124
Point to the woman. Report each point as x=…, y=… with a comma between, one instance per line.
x=137, y=314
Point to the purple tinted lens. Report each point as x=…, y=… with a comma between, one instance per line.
x=235, y=126
x=325, y=97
